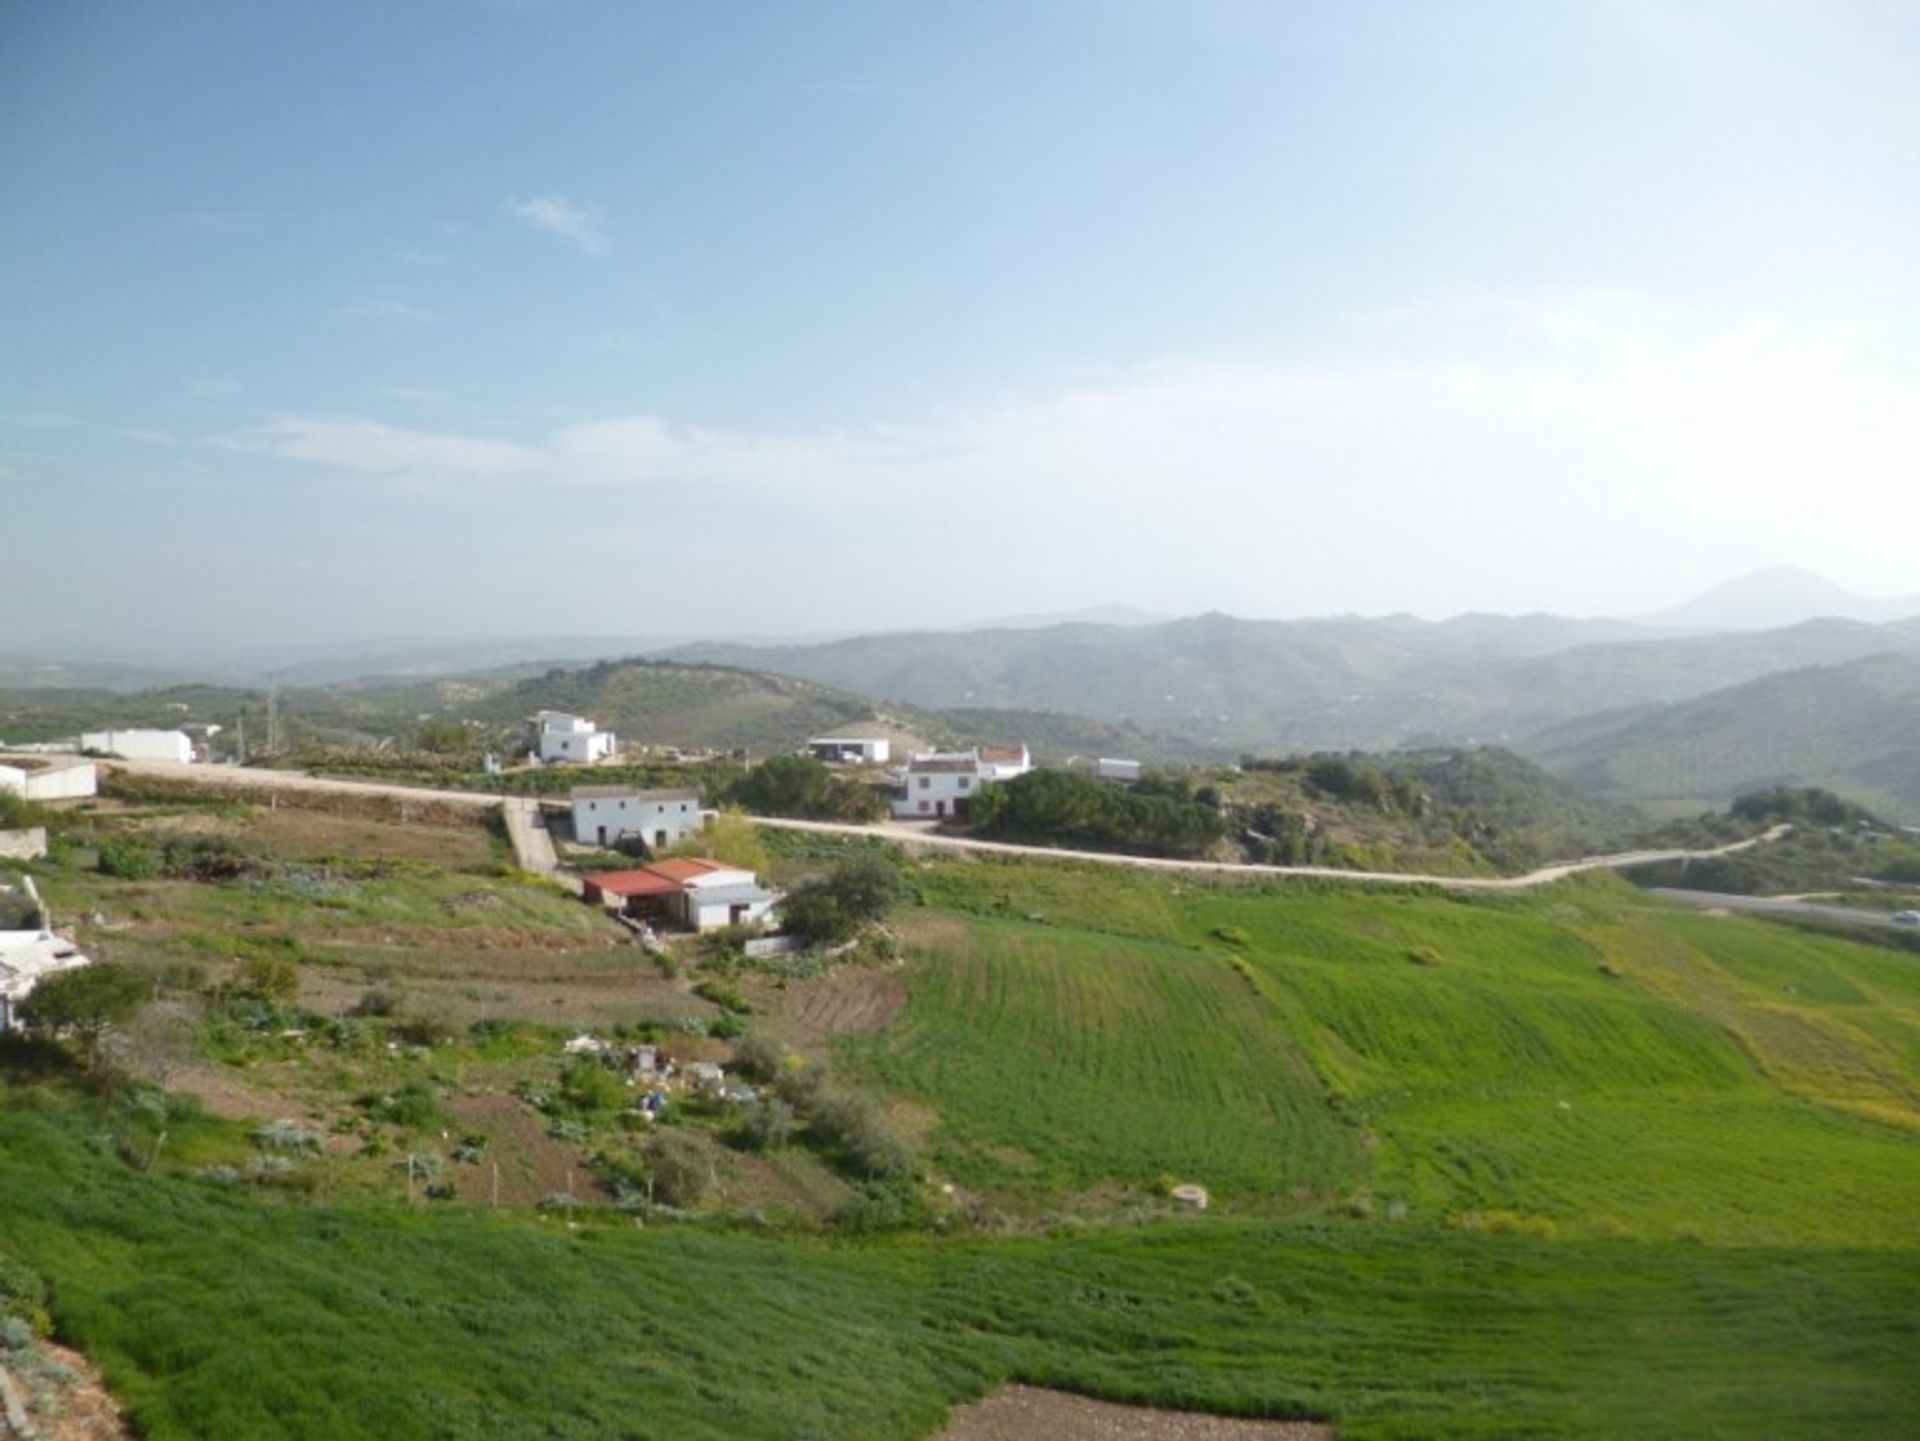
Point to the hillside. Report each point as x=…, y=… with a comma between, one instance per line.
x=1230, y=684
x=1852, y=728
x=1554, y=1138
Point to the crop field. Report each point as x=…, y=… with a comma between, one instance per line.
x=214, y=1315
x=1063, y=1060
x=1579, y=1062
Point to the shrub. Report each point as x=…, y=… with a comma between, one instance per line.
x=273, y=980
x=770, y=1123
x=131, y=858
x=681, y=1165
x=854, y=1124
x=759, y=1057
x=377, y=1001
x=590, y=1089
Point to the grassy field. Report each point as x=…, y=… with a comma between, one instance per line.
x=1562, y=1164
x=217, y=1316
x=1582, y=1061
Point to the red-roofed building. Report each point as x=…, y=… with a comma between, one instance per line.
x=691, y=892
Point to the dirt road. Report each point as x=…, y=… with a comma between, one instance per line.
x=912, y=836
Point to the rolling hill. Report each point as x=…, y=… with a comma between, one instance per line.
x=1226, y=683
x=1853, y=728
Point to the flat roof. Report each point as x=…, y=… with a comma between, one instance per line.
x=642, y=882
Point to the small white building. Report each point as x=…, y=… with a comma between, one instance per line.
x=140, y=745
x=942, y=784
x=698, y=894
x=607, y=815
x=570, y=739
x=1117, y=770
x=852, y=750
x=61, y=780
x=28, y=957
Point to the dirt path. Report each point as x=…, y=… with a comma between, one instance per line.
x=1028, y=1413
x=921, y=837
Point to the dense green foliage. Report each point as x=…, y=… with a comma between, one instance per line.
x=805, y=787
x=858, y=891
x=1058, y=806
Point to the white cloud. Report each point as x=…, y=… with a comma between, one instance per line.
x=1500, y=455
x=371, y=448
x=555, y=214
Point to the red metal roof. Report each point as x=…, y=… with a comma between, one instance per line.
x=642, y=882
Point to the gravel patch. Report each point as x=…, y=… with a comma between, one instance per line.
x=1028, y=1413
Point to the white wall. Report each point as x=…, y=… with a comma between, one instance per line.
x=932, y=794
x=581, y=747
x=635, y=816
x=63, y=782
x=140, y=745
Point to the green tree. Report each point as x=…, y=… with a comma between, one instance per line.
x=682, y=1165
x=87, y=1005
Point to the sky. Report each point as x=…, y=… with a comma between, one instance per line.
x=343, y=321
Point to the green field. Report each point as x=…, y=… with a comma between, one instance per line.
x=1566, y=1163
x=1579, y=1061
x=219, y=1316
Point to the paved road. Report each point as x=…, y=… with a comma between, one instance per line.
x=916, y=836
x=1783, y=906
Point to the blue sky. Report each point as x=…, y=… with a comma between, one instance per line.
x=451, y=318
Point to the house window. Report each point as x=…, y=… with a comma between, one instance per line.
x=965, y=781
x=925, y=781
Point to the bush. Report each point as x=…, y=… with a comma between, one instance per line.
x=130, y=858
x=759, y=1057
x=770, y=1123
x=860, y=890
x=591, y=1089
x=273, y=980
x=854, y=1124
x=681, y=1165
x=377, y=1001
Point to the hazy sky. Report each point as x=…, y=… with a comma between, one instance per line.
x=337, y=319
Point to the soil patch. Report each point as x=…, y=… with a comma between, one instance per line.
x=847, y=1001
x=533, y=1165
x=1028, y=1413
x=302, y=834
x=67, y=1400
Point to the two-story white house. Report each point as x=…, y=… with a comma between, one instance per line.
x=570, y=738
x=942, y=784
x=607, y=815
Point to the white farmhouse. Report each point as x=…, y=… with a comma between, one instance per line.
x=607, y=815
x=942, y=784
x=140, y=745
x=852, y=750
x=1111, y=769
x=61, y=780
x=571, y=738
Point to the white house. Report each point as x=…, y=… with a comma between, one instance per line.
x=852, y=750
x=27, y=957
x=570, y=738
x=62, y=780
x=940, y=784
x=607, y=815
x=140, y=745
x=1117, y=770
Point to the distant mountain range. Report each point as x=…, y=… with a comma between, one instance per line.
x=1230, y=684
x=1853, y=728
x=1781, y=595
